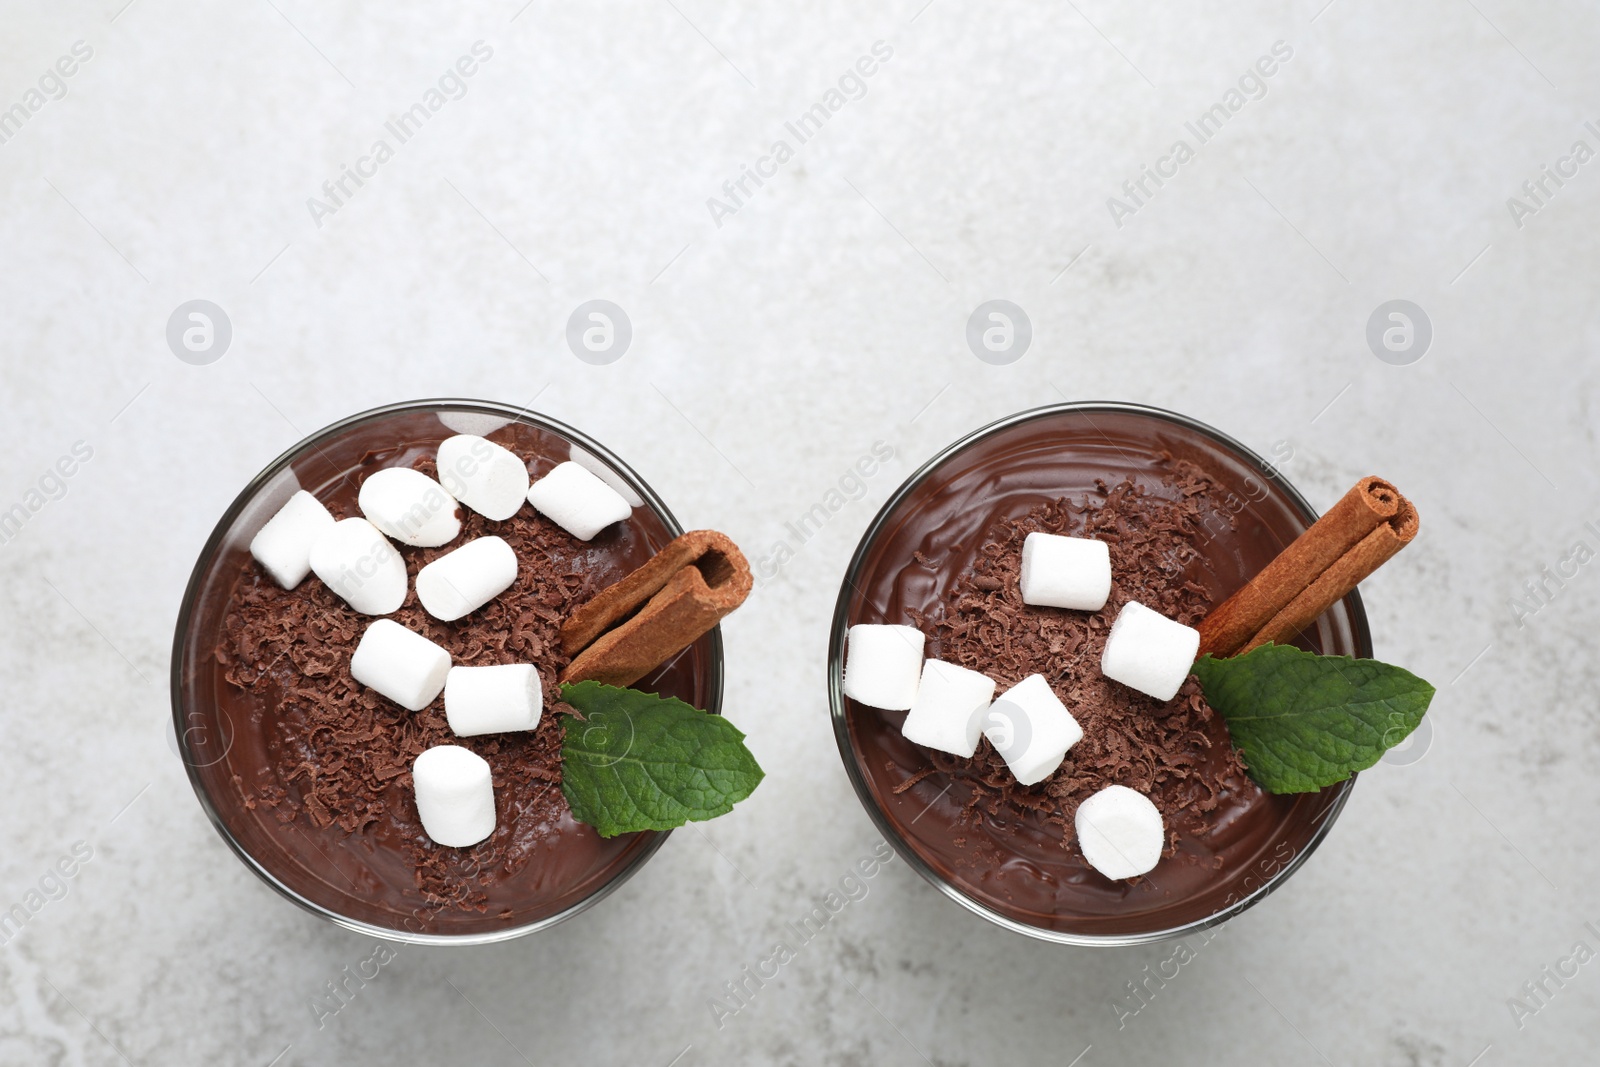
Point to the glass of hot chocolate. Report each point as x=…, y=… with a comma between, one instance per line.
x=1191, y=515
x=307, y=775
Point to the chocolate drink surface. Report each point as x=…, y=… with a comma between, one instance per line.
x=1186, y=528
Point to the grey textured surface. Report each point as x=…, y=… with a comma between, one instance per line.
x=769, y=353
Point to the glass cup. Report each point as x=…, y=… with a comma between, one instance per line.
x=355, y=880
x=1029, y=884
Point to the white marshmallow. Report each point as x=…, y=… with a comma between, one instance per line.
x=400, y=663
x=455, y=795
x=466, y=578
x=359, y=564
x=1031, y=729
x=1065, y=572
x=603, y=470
x=489, y=479
x=265, y=502
x=410, y=507
x=883, y=665
x=493, y=700
x=1148, y=651
x=473, y=422
x=283, y=545
x=1120, y=832
x=577, y=501
x=949, y=710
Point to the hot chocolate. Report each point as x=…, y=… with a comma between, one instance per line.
x=1189, y=518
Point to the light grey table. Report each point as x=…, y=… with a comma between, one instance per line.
x=774, y=339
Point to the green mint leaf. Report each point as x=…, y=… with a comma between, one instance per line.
x=637, y=761
x=1303, y=721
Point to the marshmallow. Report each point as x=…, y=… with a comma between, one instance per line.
x=455, y=795
x=474, y=422
x=466, y=578
x=604, y=471
x=1120, y=832
x=493, y=700
x=1148, y=651
x=487, y=478
x=949, y=710
x=283, y=545
x=400, y=663
x=1065, y=572
x=410, y=507
x=269, y=497
x=883, y=665
x=1031, y=729
x=359, y=564
x=577, y=501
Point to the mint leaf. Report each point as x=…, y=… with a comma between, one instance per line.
x=1303, y=721
x=637, y=761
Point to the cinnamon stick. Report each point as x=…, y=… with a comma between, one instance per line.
x=1370, y=503
x=1348, y=571
x=637, y=624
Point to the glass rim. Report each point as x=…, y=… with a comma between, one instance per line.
x=207, y=556
x=841, y=727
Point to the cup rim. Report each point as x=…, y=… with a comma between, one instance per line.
x=186, y=611
x=841, y=728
